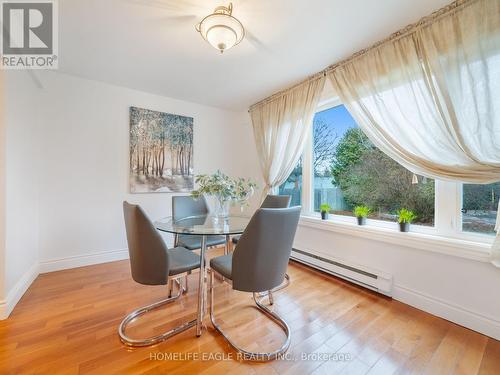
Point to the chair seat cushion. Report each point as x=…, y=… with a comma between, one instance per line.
x=235, y=239
x=193, y=242
x=223, y=265
x=182, y=260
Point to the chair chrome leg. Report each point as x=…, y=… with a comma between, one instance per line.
x=226, y=245
x=158, y=338
x=246, y=355
x=226, y=251
x=170, y=288
x=271, y=299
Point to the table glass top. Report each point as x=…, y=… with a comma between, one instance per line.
x=203, y=225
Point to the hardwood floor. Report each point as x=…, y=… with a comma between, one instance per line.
x=67, y=323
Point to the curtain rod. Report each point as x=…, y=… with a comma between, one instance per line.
x=409, y=29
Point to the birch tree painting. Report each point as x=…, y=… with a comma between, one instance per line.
x=161, y=152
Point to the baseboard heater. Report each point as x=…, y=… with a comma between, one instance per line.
x=371, y=279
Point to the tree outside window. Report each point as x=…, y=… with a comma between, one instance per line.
x=349, y=171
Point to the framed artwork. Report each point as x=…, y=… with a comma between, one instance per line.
x=161, y=152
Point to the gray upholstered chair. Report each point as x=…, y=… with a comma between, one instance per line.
x=258, y=264
x=186, y=206
x=271, y=201
x=152, y=263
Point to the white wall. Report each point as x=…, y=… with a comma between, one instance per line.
x=81, y=129
x=85, y=162
x=2, y=195
x=21, y=188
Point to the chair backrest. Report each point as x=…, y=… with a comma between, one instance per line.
x=260, y=260
x=147, y=250
x=276, y=201
x=185, y=206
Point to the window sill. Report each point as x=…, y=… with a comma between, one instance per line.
x=474, y=250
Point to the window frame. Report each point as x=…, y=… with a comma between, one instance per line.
x=447, y=201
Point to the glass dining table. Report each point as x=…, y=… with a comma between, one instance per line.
x=203, y=226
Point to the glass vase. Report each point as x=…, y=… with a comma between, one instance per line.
x=243, y=201
x=221, y=207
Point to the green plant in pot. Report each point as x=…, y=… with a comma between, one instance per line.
x=325, y=210
x=405, y=217
x=361, y=213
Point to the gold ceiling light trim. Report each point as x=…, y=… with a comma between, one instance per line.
x=220, y=29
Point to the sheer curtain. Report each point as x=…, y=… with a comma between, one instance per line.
x=281, y=126
x=430, y=99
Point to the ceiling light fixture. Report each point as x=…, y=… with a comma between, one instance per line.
x=221, y=29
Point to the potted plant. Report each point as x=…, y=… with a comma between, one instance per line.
x=361, y=212
x=325, y=210
x=225, y=189
x=405, y=217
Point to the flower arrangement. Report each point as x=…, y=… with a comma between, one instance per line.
x=225, y=189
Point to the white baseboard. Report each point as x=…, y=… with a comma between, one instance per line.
x=15, y=294
x=83, y=260
x=487, y=325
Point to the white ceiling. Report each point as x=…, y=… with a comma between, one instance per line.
x=151, y=45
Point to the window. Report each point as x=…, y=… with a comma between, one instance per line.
x=349, y=171
x=341, y=167
x=329, y=127
x=479, y=207
x=293, y=185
